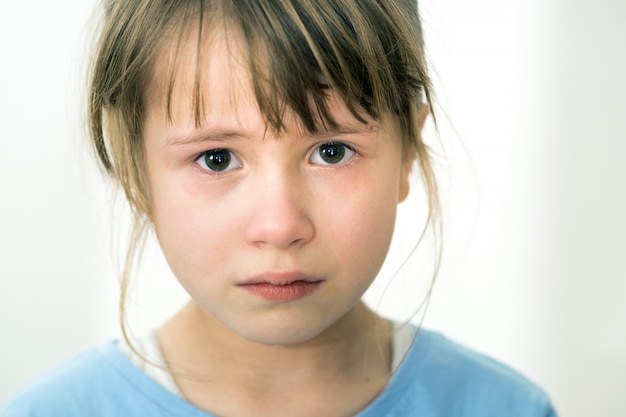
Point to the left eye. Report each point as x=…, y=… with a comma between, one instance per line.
x=332, y=153
x=218, y=160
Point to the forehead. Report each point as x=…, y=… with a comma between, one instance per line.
x=207, y=80
x=197, y=72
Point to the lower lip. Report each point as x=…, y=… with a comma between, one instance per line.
x=288, y=292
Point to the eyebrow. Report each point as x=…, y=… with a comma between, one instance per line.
x=217, y=135
x=341, y=130
x=206, y=135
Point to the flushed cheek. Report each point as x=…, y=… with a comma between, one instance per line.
x=195, y=233
x=359, y=225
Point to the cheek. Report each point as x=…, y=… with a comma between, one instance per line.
x=194, y=230
x=359, y=224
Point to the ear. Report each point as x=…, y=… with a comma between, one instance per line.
x=422, y=115
x=404, y=187
x=409, y=159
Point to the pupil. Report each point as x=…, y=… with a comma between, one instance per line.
x=332, y=153
x=217, y=160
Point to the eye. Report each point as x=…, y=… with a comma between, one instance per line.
x=332, y=153
x=218, y=160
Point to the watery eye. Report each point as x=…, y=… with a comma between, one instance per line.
x=332, y=153
x=218, y=160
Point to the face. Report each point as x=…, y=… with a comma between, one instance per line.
x=277, y=236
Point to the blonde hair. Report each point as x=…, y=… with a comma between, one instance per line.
x=370, y=52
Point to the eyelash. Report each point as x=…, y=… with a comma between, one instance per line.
x=227, y=156
x=346, y=150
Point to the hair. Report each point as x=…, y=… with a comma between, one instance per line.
x=370, y=52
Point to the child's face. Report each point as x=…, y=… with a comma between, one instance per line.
x=238, y=214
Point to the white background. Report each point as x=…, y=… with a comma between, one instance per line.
x=535, y=265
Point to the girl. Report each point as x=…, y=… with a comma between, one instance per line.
x=267, y=144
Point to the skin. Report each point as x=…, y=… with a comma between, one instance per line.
x=277, y=209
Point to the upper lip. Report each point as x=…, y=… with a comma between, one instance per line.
x=280, y=278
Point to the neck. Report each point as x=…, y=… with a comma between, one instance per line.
x=194, y=339
x=205, y=356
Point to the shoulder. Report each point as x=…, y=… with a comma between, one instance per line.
x=71, y=389
x=99, y=382
x=445, y=376
x=46, y=389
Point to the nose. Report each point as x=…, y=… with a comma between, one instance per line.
x=279, y=217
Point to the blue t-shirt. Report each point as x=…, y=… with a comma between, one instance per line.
x=436, y=378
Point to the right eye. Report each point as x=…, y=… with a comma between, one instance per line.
x=218, y=160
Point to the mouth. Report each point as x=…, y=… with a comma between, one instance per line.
x=282, y=287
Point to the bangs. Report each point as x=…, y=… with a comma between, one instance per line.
x=298, y=51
